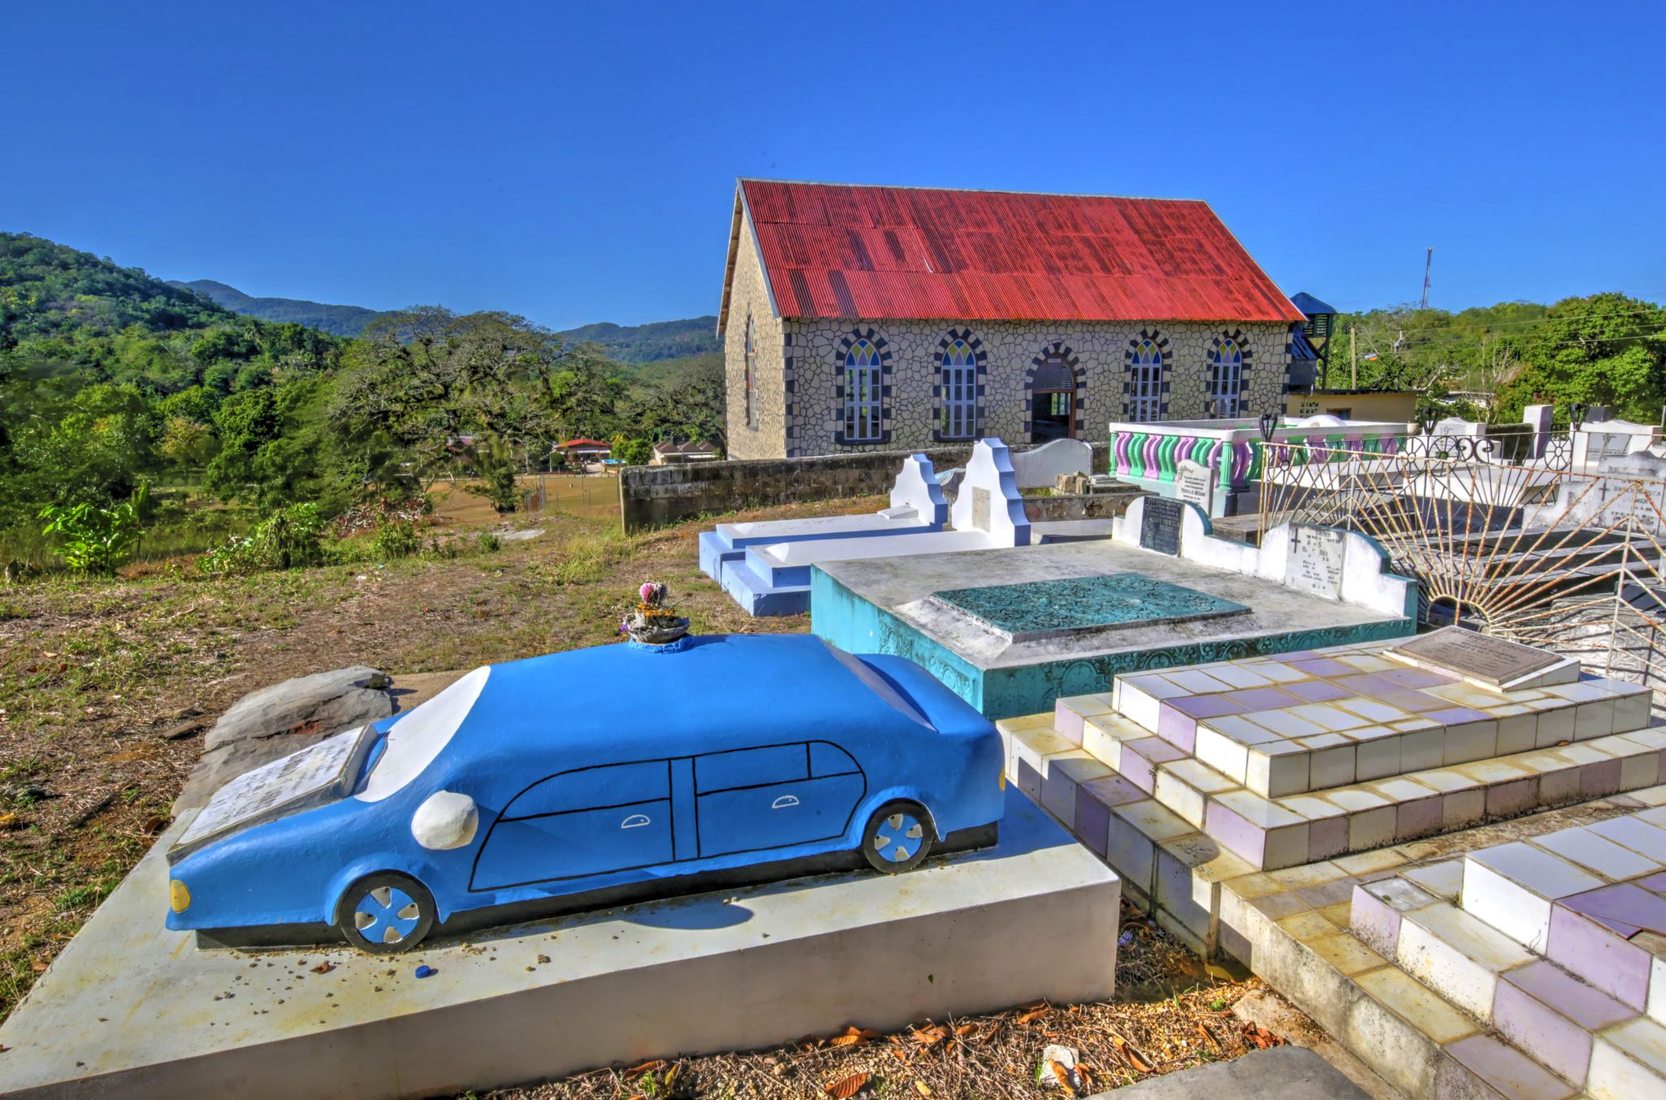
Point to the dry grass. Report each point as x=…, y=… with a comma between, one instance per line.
x=996, y=1055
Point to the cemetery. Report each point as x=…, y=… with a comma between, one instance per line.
x=1447, y=848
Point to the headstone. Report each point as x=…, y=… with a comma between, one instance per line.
x=1313, y=562
x=1541, y=418
x=1476, y=656
x=1195, y=484
x=1457, y=425
x=1160, y=525
x=1042, y=465
x=916, y=487
x=989, y=499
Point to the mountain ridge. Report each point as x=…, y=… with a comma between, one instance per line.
x=645, y=343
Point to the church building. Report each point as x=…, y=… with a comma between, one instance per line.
x=862, y=318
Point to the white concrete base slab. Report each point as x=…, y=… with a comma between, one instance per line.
x=130, y=1008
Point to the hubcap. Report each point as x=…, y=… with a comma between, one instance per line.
x=386, y=914
x=899, y=837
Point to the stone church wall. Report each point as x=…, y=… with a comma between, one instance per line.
x=1009, y=354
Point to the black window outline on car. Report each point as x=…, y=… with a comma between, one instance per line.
x=670, y=800
x=809, y=775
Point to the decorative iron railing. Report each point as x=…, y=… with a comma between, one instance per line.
x=1568, y=560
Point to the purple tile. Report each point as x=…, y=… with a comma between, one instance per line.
x=1327, y=893
x=1514, y=797
x=1416, y=677
x=1067, y=723
x=1555, y=1040
x=1206, y=706
x=1093, y=821
x=1327, y=837
x=1624, y=908
x=1315, y=691
x=1596, y=780
x=1264, y=698
x=1369, y=684
x=1615, y=966
x=1235, y=833
x=1657, y=883
x=1417, y=702
x=1452, y=716
x=1322, y=666
x=1419, y=817
x=1507, y=1070
x=1112, y=790
x=1585, y=1005
x=1177, y=729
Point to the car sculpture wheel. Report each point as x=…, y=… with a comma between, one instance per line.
x=386, y=913
x=898, y=837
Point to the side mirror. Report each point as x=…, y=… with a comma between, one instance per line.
x=445, y=820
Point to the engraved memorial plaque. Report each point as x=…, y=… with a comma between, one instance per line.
x=1477, y=656
x=1314, y=562
x=1195, y=484
x=980, y=508
x=1160, y=525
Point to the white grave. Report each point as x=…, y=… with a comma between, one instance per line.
x=989, y=500
x=916, y=488
x=1042, y=466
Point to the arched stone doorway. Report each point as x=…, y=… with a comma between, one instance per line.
x=1053, y=395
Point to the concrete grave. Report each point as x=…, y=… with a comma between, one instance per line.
x=277, y=720
x=1044, y=465
x=988, y=512
x=1114, y=606
x=131, y=1009
x=1313, y=562
x=918, y=505
x=1491, y=661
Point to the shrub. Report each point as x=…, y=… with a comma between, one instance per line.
x=489, y=543
x=290, y=538
x=396, y=539
x=92, y=539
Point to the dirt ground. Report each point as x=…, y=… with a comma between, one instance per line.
x=107, y=686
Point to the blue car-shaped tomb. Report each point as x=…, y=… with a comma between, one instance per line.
x=591, y=778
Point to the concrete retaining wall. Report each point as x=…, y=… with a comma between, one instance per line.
x=654, y=495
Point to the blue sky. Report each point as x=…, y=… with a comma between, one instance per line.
x=576, y=163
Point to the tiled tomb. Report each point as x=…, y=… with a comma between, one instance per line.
x=1013, y=630
x=1485, y=917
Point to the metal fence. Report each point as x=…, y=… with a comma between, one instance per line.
x=1508, y=543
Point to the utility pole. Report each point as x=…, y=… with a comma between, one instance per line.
x=1353, y=360
x=1428, y=262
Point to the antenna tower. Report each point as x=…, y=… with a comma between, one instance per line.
x=1428, y=262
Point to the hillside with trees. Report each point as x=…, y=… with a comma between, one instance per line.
x=112, y=381
x=1605, y=349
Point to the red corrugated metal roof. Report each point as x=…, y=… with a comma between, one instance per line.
x=832, y=250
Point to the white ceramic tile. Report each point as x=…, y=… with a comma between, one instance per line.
x=1195, y=682
x=1456, y=956
x=1276, y=774
x=1517, y=733
x=1423, y=749
x=1285, y=723
x=1595, y=719
x=1377, y=758
x=1596, y=853
x=1507, y=906
x=1329, y=719
x=1555, y=726
x=1635, y=832
x=1373, y=709
x=1471, y=741
x=1184, y=800
x=1444, y=878
x=1222, y=754
x=1371, y=828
